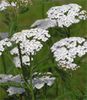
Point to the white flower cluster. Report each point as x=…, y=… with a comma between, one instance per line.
x=5, y=78
x=4, y=4
x=66, y=15
x=25, y=2
x=38, y=84
x=38, y=81
x=15, y=90
x=32, y=34
x=44, y=23
x=10, y=78
x=30, y=42
x=66, y=50
x=3, y=44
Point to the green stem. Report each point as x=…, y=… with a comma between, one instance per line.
x=22, y=67
x=67, y=31
x=57, y=87
x=45, y=93
x=31, y=84
x=23, y=71
x=4, y=65
x=20, y=97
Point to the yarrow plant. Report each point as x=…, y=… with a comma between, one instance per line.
x=30, y=42
x=66, y=50
x=4, y=44
x=24, y=45
x=66, y=15
x=11, y=9
x=44, y=23
x=15, y=90
x=4, y=4
x=39, y=80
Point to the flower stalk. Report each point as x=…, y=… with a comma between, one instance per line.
x=31, y=73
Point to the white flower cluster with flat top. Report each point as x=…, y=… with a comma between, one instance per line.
x=31, y=41
x=66, y=50
x=66, y=15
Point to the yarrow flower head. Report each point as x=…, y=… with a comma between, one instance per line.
x=66, y=50
x=66, y=15
x=4, y=4
x=44, y=23
x=30, y=42
x=10, y=78
x=5, y=78
x=41, y=79
x=15, y=90
x=3, y=44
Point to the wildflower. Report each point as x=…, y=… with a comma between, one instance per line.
x=15, y=90
x=44, y=23
x=17, y=79
x=66, y=15
x=4, y=4
x=38, y=81
x=30, y=43
x=5, y=78
x=42, y=79
x=66, y=50
x=3, y=44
